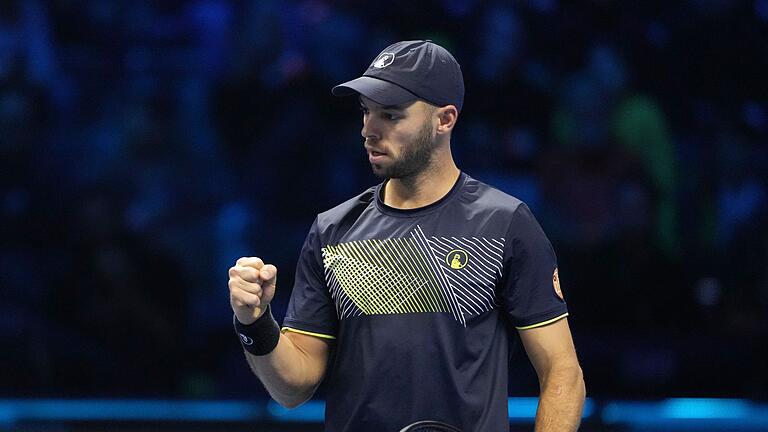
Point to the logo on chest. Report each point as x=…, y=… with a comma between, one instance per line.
x=414, y=274
x=457, y=259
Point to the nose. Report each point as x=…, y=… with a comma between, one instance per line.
x=369, y=130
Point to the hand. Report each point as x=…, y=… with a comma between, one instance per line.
x=251, y=288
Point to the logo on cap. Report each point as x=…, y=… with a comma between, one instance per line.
x=384, y=60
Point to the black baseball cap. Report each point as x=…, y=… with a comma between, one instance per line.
x=410, y=70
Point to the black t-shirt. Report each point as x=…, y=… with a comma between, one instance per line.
x=419, y=303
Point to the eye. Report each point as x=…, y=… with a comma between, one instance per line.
x=392, y=117
x=363, y=110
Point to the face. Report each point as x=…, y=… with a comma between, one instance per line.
x=400, y=140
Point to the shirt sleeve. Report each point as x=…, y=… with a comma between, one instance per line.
x=311, y=310
x=530, y=291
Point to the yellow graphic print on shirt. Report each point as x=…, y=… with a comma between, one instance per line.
x=414, y=274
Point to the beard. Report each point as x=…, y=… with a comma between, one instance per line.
x=415, y=158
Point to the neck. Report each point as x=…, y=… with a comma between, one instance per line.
x=424, y=188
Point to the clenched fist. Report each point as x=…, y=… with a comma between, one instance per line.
x=251, y=288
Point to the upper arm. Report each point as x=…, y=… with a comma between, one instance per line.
x=314, y=352
x=529, y=288
x=311, y=310
x=550, y=347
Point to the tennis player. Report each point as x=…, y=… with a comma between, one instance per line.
x=407, y=296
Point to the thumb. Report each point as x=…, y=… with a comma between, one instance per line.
x=268, y=274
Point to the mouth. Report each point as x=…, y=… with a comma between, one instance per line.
x=375, y=156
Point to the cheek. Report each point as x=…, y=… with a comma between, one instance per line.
x=392, y=143
x=401, y=141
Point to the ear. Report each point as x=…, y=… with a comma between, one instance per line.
x=446, y=117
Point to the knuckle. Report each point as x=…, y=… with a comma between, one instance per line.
x=253, y=275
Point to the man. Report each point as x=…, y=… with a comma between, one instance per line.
x=405, y=296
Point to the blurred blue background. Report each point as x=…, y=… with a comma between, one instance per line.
x=146, y=145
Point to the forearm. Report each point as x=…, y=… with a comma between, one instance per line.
x=289, y=374
x=290, y=365
x=561, y=401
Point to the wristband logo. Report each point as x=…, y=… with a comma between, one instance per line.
x=457, y=259
x=245, y=339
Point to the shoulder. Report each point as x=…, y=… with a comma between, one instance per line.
x=508, y=212
x=488, y=197
x=345, y=213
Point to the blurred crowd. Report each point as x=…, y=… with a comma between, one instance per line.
x=145, y=146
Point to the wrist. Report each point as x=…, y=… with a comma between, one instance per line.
x=249, y=319
x=261, y=336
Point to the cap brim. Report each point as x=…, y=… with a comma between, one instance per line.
x=377, y=90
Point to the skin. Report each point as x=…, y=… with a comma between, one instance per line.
x=402, y=133
x=408, y=144
x=561, y=381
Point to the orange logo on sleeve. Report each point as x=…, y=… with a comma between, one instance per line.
x=556, y=284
